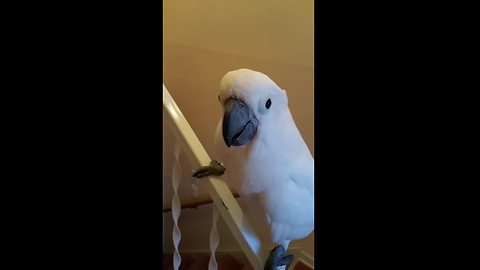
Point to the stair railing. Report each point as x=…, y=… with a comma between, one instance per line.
x=223, y=199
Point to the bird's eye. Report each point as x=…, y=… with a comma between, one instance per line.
x=218, y=97
x=268, y=104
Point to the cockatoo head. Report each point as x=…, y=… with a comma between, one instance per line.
x=251, y=101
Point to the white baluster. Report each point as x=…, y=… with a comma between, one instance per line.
x=214, y=239
x=176, y=206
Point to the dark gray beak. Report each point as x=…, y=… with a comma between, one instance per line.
x=239, y=123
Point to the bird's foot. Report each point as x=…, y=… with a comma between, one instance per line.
x=278, y=260
x=215, y=168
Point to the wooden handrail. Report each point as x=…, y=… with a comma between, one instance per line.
x=229, y=209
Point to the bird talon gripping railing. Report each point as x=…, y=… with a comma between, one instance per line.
x=223, y=199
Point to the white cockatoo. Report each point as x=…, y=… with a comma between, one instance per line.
x=266, y=157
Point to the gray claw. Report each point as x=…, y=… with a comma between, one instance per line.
x=215, y=168
x=278, y=258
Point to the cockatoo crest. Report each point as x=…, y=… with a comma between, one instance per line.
x=255, y=89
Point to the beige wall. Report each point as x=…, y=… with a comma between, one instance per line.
x=272, y=30
x=204, y=39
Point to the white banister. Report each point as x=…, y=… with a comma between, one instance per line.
x=220, y=193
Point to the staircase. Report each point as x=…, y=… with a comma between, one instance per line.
x=199, y=261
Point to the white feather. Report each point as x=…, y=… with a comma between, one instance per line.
x=276, y=166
